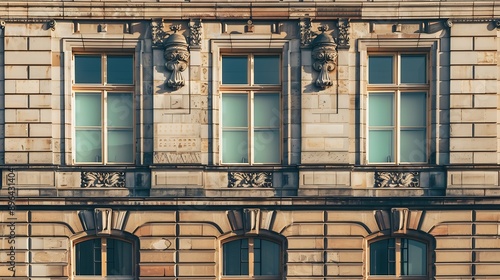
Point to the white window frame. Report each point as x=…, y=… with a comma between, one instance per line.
x=366, y=47
x=244, y=46
x=115, y=45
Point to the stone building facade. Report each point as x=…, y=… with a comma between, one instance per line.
x=154, y=139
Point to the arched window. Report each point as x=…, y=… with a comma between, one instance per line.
x=252, y=257
x=398, y=258
x=104, y=257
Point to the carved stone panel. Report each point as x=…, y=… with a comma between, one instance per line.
x=103, y=180
x=397, y=179
x=250, y=179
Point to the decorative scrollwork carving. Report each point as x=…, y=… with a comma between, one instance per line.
x=343, y=34
x=103, y=180
x=195, y=34
x=397, y=179
x=324, y=55
x=157, y=33
x=250, y=180
x=306, y=35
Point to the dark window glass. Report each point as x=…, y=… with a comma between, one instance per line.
x=269, y=258
x=380, y=70
x=266, y=69
x=413, y=257
x=88, y=257
x=119, y=257
x=235, y=70
x=382, y=257
x=120, y=69
x=413, y=69
x=234, y=264
x=88, y=69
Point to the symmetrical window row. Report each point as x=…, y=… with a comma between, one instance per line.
x=253, y=257
x=398, y=91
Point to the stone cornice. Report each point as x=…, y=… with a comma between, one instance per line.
x=277, y=10
x=278, y=203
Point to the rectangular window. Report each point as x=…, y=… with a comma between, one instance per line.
x=103, y=91
x=251, y=111
x=398, y=90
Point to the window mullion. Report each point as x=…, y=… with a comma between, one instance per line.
x=251, y=127
x=104, y=127
x=398, y=256
x=251, y=257
x=397, y=132
x=104, y=246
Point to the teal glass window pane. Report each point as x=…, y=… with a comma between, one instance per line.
x=269, y=259
x=88, y=145
x=235, y=146
x=380, y=146
x=382, y=256
x=416, y=258
x=266, y=69
x=381, y=109
x=87, y=262
x=120, y=145
x=120, y=110
x=413, y=109
x=380, y=70
x=120, y=69
x=118, y=257
x=232, y=257
x=235, y=70
x=88, y=69
x=413, y=69
x=267, y=146
x=267, y=110
x=88, y=109
x=234, y=110
x=413, y=145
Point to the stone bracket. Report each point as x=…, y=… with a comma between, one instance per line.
x=251, y=220
x=103, y=220
x=398, y=220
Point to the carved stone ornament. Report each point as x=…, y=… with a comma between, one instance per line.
x=397, y=179
x=158, y=34
x=195, y=34
x=497, y=23
x=306, y=33
x=52, y=24
x=343, y=35
x=324, y=56
x=177, y=58
x=103, y=180
x=250, y=179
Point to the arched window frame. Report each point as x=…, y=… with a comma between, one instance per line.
x=264, y=236
x=116, y=235
x=411, y=235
